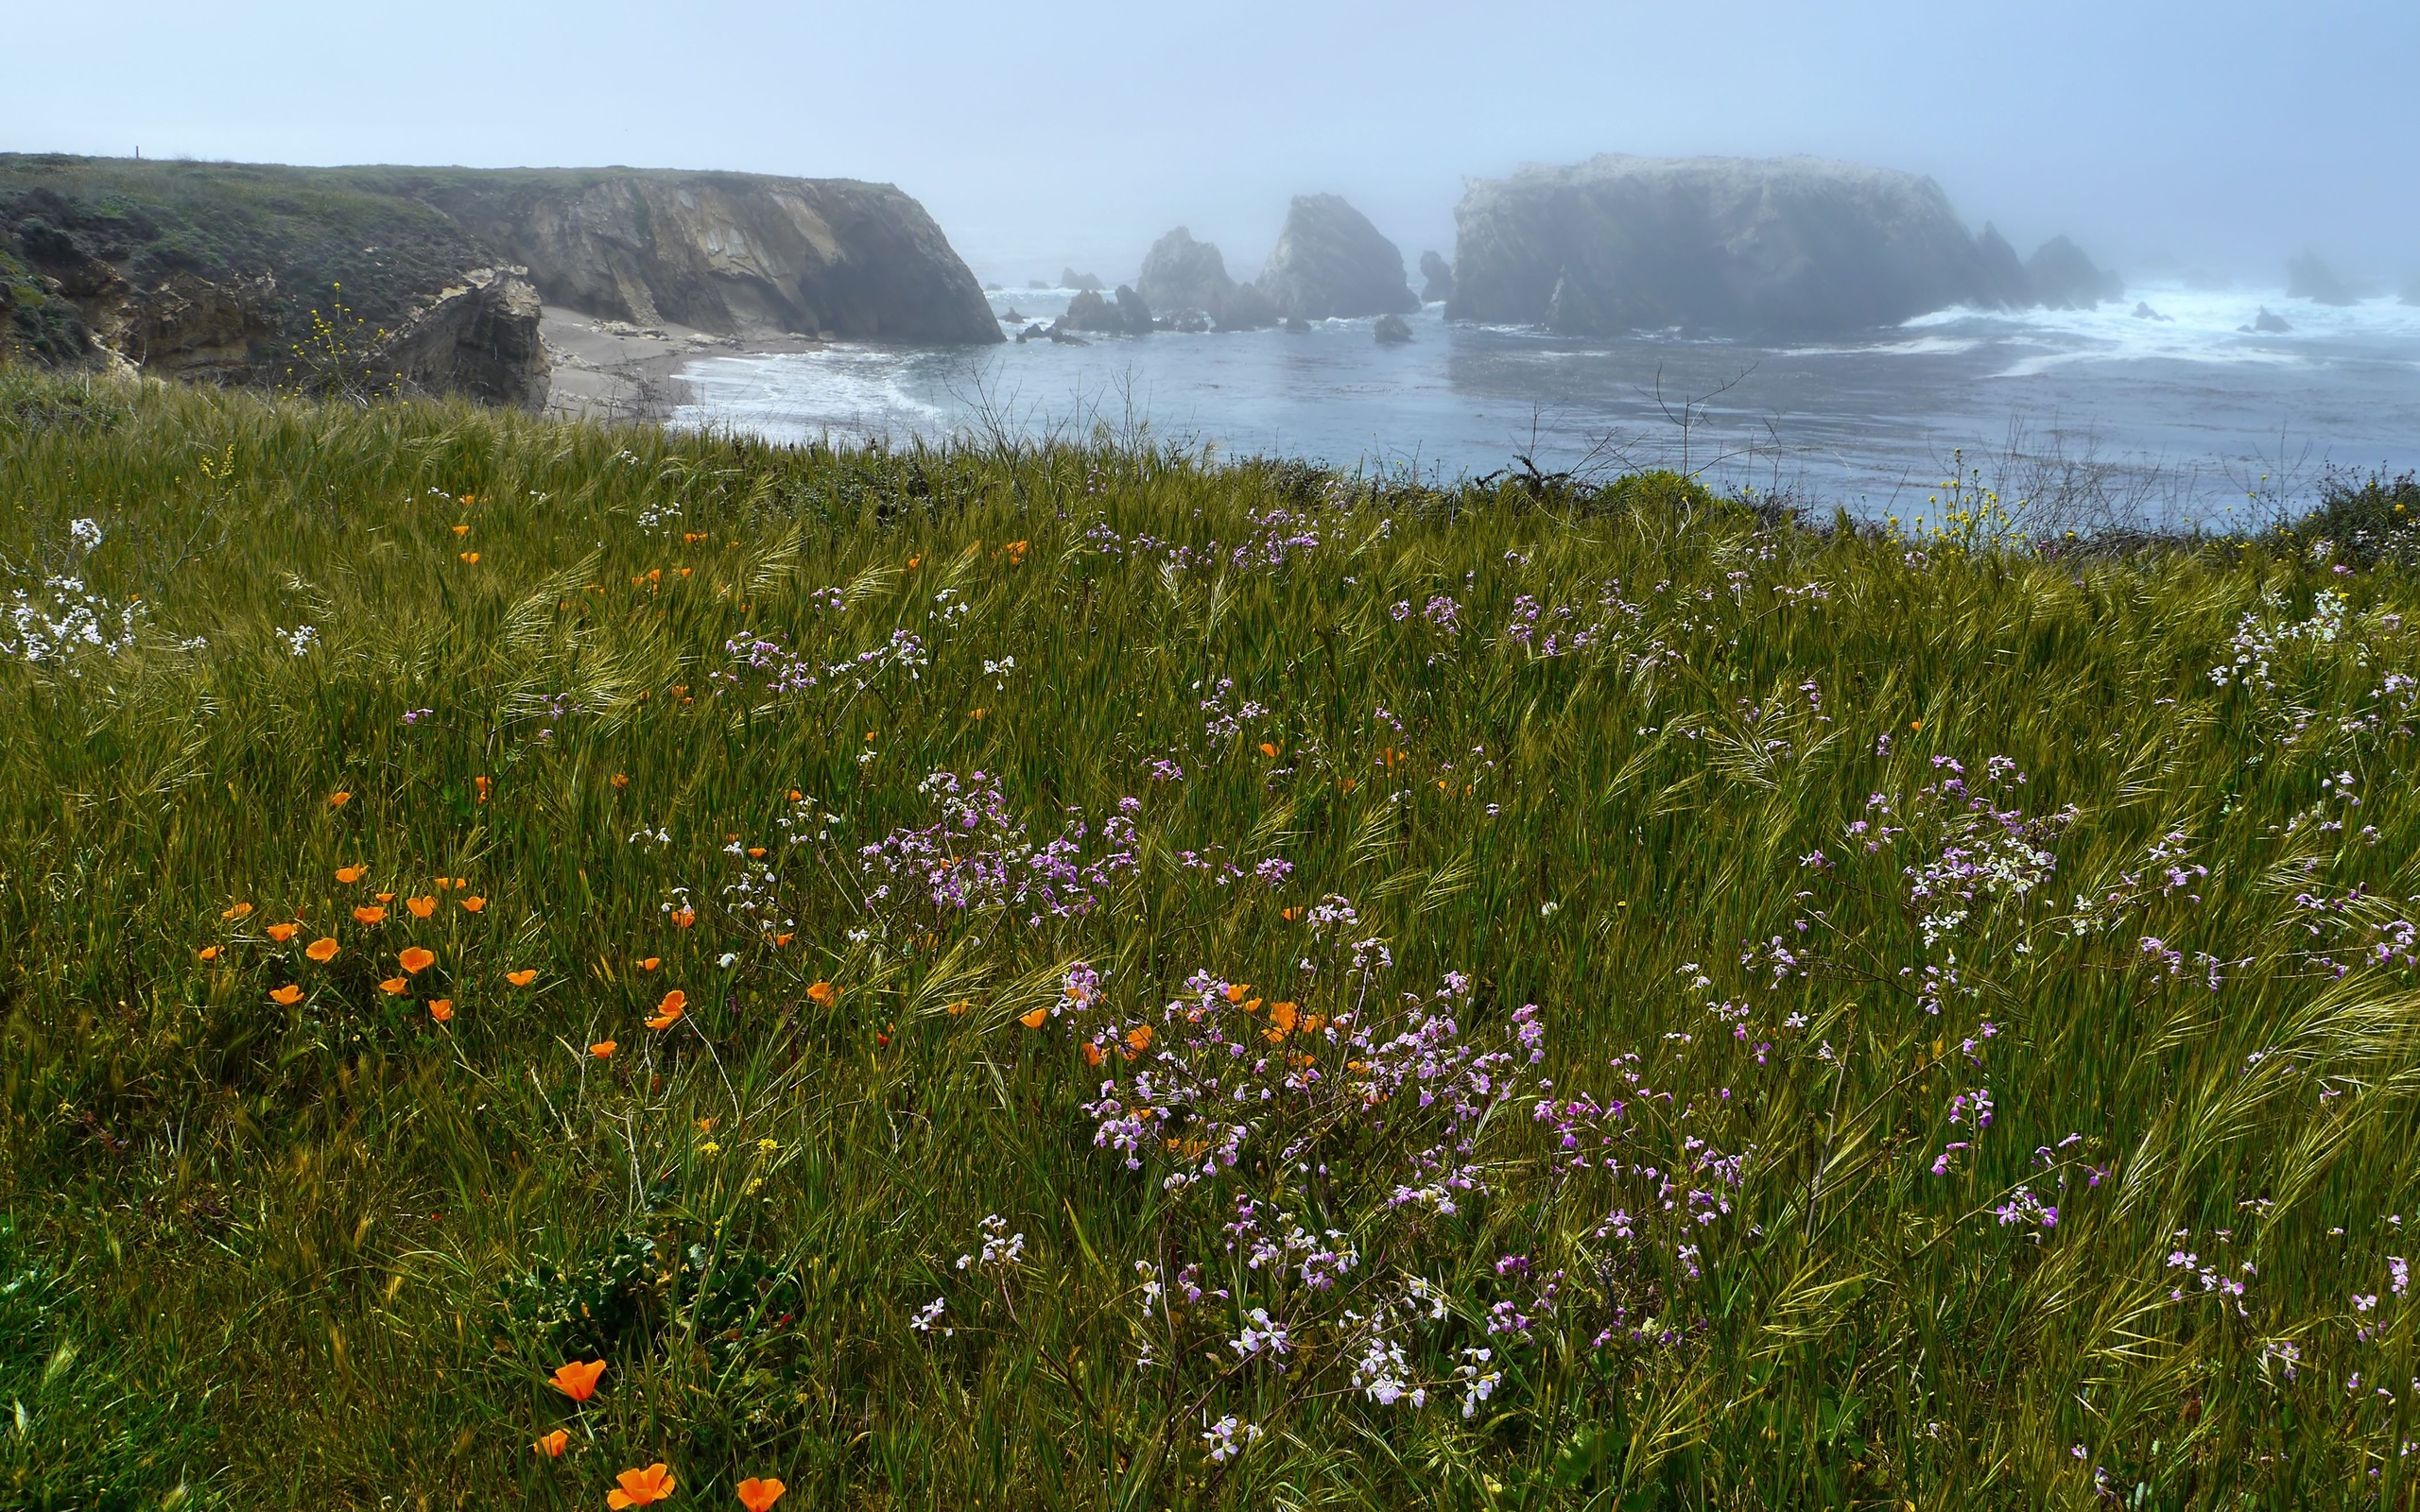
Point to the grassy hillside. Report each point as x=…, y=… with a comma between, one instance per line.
x=1093, y=979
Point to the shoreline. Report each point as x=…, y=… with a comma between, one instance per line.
x=619, y=372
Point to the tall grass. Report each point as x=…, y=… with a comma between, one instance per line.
x=1982, y=1040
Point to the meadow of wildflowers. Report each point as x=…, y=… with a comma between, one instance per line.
x=560, y=966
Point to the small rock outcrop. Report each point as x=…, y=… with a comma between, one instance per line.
x=1785, y=247
x=1331, y=261
x=1437, y=279
x=1391, y=330
x=1083, y=283
x=479, y=339
x=2144, y=312
x=2308, y=277
x=1247, y=309
x=2059, y=275
x=2267, y=322
x=1125, y=315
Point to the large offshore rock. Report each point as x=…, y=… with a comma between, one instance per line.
x=1437, y=277
x=1330, y=261
x=1765, y=247
x=1179, y=273
x=2061, y=276
x=2308, y=277
x=477, y=339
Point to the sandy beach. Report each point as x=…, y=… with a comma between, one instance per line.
x=613, y=371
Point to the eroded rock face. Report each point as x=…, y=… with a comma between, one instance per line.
x=2061, y=276
x=1331, y=261
x=1781, y=246
x=1179, y=273
x=479, y=339
x=735, y=254
x=1437, y=277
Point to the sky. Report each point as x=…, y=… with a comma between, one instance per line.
x=2222, y=134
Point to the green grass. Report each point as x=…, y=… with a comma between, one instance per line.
x=328, y=1253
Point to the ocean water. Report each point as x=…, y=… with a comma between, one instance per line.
x=2118, y=418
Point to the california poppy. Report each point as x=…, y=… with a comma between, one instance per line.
x=1236, y=991
x=444, y=882
x=441, y=1009
x=1139, y=1037
x=521, y=978
x=669, y=1011
x=209, y=953
x=823, y=994
x=282, y=933
x=369, y=915
x=321, y=949
x=415, y=959
x=756, y=852
x=287, y=996
x=1289, y=915
x=386, y=896
x=482, y=784
x=339, y=798
x=1036, y=1019
x=577, y=1381
x=958, y=1008
x=784, y=939
x=684, y=916
x=641, y=1488
x=474, y=905
x=1092, y=1053
x=421, y=907
x=757, y=1495
x=237, y=911
x=620, y=780
x=1269, y=750
x=603, y=1049
x=352, y=874
x=650, y=963
x=462, y=530
x=395, y=986
x=551, y=1445
x=469, y=558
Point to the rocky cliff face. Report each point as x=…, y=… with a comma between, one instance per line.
x=1331, y=261
x=431, y=278
x=736, y=254
x=1785, y=246
x=1179, y=273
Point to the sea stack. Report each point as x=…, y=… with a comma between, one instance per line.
x=1330, y=262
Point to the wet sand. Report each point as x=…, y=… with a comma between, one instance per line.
x=613, y=371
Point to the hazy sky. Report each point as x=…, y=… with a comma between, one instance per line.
x=2225, y=134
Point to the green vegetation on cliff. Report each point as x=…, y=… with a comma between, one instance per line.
x=1092, y=978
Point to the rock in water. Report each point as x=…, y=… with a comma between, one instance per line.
x=2308, y=277
x=1437, y=277
x=1391, y=330
x=1126, y=314
x=1571, y=311
x=1135, y=312
x=1179, y=273
x=2273, y=324
x=479, y=339
x=1330, y=261
x=2144, y=312
x=1247, y=309
x=2004, y=277
x=1778, y=246
x=1083, y=283
x=1296, y=325
x=2062, y=277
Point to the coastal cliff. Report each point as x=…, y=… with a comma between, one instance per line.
x=1783, y=247
x=362, y=280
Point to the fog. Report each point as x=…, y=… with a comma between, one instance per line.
x=2225, y=136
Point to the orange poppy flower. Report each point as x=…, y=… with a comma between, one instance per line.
x=551, y=1445
x=1236, y=991
x=620, y=780
x=521, y=978
x=209, y=953
x=339, y=798
x=474, y=905
x=1139, y=1037
x=368, y=915
x=415, y=959
x=282, y=933
x=1036, y=1019
x=441, y=1009
x=1092, y=1053
x=669, y=1011
x=421, y=907
x=603, y=1049
x=238, y=911
x=577, y=1381
x=650, y=963
x=462, y=530
x=322, y=950
x=641, y=1488
x=468, y=559
x=287, y=996
x=1289, y=915
x=396, y=985
x=823, y=994
x=960, y=1009
x=686, y=918
x=482, y=784
x=444, y=882
x=756, y=852
x=1269, y=750
x=386, y=896
x=978, y=713
x=352, y=873
x=784, y=939
x=758, y=1495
